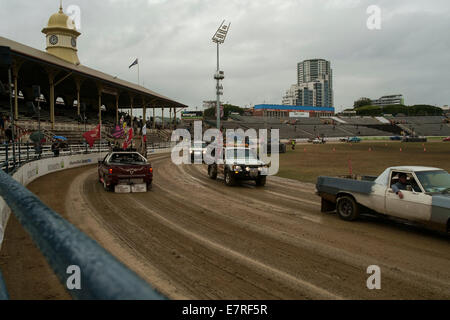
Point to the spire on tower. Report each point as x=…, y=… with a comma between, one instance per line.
x=60, y=7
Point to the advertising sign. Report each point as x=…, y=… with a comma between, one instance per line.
x=298, y=114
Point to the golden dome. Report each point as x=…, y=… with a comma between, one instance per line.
x=59, y=20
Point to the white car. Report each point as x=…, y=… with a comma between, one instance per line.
x=425, y=200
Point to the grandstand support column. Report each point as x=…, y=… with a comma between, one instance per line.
x=174, y=117
x=131, y=107
x=154, y=118
x=99, y=89
x=78, y=86
x=144, y=111
x=163, y=118
x=51, y=78
x=15, y=69
x=117, y=108
x=16, y=94
x=170, y=118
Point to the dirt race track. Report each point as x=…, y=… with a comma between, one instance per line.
x=195, y=238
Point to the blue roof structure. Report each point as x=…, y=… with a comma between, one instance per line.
x=297, y=108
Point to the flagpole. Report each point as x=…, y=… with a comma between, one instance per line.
x=139, y=82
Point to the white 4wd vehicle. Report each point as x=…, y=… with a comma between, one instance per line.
x=425, y=198
x=239, y=164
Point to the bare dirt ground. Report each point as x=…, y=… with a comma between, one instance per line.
x=195, y=238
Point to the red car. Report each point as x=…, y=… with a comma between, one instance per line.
x=446, y=139
x=125, y=172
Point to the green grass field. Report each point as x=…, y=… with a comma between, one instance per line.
x=308, y=162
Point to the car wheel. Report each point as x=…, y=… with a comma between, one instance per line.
x=212, y=172
x=229, y=179
x=261, y=181
x=106, y=187
x=347, y=208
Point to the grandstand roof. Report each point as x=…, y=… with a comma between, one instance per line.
x=111, y=83
x=296, y=108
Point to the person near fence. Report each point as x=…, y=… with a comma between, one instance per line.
x=56, y=148
x=9, y=134
x=38, y=149
x=2, y=125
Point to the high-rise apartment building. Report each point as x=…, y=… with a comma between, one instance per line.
x=314, y=85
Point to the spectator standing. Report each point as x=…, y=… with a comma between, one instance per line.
x=55, y=148
x=9, y=134
x=2, y=124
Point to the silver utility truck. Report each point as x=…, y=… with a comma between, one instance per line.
x=423, y=195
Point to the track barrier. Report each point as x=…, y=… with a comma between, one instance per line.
x=102, y=276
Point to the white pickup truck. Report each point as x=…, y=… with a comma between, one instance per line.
x=426, y=198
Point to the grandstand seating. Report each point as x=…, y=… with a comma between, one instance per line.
x=352, y=126
x=68, y=125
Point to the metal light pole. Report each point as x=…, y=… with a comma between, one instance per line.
x=16, y=92
x=219, y=38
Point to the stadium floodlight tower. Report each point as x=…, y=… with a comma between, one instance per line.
x=219, y=38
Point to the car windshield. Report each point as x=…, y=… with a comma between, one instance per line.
x=127, y=158
x=248, y=154
x=434, y=181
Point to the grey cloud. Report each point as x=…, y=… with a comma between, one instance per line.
x=172, y=38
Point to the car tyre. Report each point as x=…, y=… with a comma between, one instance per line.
x=347, y=208
x=212, y=172
x=261, y=181
x=106, y=187
x=229, y=179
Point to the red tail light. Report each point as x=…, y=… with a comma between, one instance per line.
x=151, y=170
x=110, y=171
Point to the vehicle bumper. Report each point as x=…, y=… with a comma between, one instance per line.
x=115, y=180
x=244, y=175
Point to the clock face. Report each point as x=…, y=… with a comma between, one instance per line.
x=74, y=42
x=53, y=40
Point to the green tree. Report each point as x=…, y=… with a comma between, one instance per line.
x=361, y=102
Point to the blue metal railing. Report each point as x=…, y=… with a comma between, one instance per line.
x=26, y=152
x=103, y=277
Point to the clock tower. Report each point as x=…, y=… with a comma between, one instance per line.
x=61, y=36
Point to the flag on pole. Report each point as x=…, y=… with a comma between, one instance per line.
x=136, y=62
x=92, y=136
x=118, y=132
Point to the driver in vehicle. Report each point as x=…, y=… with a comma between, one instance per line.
x=402, y=184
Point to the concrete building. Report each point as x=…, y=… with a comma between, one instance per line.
x=314, y=85
x=312, y=70
x=395, y=99
x=291, y=96
x=285, y=111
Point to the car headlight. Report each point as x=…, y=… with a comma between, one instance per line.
x=237, y=168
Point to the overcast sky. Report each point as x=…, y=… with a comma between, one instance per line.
x=172, y=38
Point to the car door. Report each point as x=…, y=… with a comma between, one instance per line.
x=415, y=206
